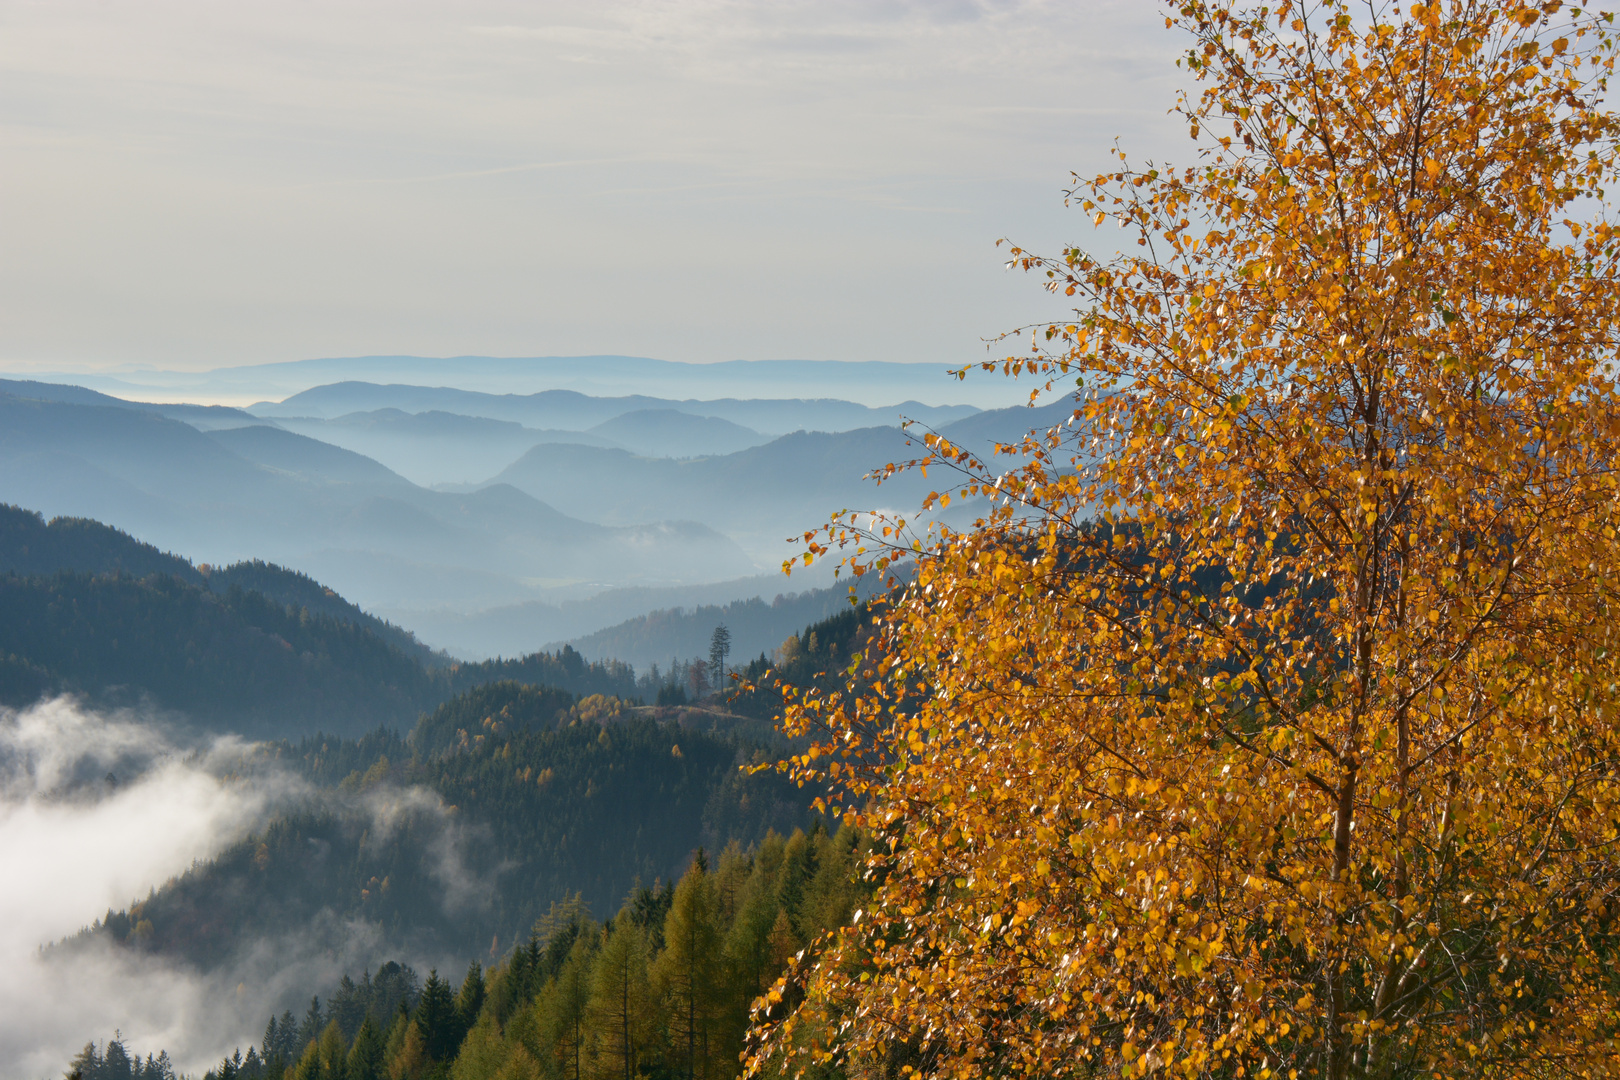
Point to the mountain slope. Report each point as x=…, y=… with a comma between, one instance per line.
x=202, y=417
x=290, y=452
x=672, y=433
x=433, y=447
x=757, y=626
x=262, y=493
x=250, y=647
x=760, y=496
x=238, y=662
x=31, y=546
x=527, y=804
x=513, y=629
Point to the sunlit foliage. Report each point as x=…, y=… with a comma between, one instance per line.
x=1267, y=726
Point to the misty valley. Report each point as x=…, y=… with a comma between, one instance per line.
x=413, y=732
x=1154, y=618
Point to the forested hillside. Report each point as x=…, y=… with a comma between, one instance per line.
x=296, y=590
x=482, y=795
x=238, y=662
x=662, y=990
x=29, y=545
x=503, y=800
x=756, y=626
x=250, y=648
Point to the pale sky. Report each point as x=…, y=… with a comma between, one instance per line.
x=191, y=185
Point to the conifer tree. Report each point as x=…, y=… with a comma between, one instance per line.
x=719, y=649
x=560, y=1011
x=436, y=1017
x=310, y=1029
x=346, y=1007
x=484, y=1053
x=469, y=1000
x=412, y=1060
x=748, y=941
x=285, y=1047
x=331, y=1054
x=394, y=1043
x=687, y=974
x=309, y=1063
x=366, y=1056
x=618, y=1010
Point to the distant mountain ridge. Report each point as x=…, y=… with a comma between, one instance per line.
x=258, y=492
x=571, y=410
x=868, y=382
x=554, y=516
x=203, y=417
x=672, y=433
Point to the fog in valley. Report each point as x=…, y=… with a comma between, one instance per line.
x=96, y=810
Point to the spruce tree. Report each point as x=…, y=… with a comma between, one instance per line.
x=469, y=1000
x=347, y=1006
x=116, y=1064
x=310, y=1029
x=86, y=1065
x=719, y=649
x=436, y=1016
x=287, y=1045
x=365, y=1060
x=272, y=1040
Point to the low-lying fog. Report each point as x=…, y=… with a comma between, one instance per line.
x=95, y=811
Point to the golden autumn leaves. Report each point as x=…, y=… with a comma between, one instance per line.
x=1265, y=724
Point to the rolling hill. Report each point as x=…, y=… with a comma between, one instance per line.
x=259, y=492
x=433, y=447
x=672, y=433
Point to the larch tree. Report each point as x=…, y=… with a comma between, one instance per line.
x=1266, y=725
x=618, y=1012
x=688, y=975
x=561, y=1010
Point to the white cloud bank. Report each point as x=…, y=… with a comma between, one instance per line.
x=74, y=844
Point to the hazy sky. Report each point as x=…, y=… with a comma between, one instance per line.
x=190, y=184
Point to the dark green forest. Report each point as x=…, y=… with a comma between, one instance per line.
x=31, y=546
x=251, y=648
